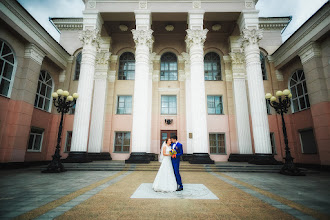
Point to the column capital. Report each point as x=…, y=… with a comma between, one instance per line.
x=100, y=75
x=310, y=51
x=195, y=37
x=90, y=37
x=143, y=37
x=237, y=58
x=103, y=57
x=226, y=59
x=114, y=59
x=251, y=37
x=33, y=52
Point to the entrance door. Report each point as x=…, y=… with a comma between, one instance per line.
x=166, y=134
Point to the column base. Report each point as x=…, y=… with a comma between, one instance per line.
x=138, y=157
x=264, y=159
x=201, y=158
x=77, y=157
x=186, y=157
x=153, y=157
x=99, y=156
x=240, y=157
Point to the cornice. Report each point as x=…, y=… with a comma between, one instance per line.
x=30, y=29
x=71, y=24
x=288, y=50
x=278, y=23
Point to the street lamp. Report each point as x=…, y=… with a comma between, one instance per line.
x=63, y=101
x=281, y=105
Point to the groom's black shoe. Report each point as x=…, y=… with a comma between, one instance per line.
x=180, y=189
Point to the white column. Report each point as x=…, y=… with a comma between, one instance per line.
x=142, y=36
x=195, y=39
x=241, y=104
x=250, y=38
x=90, y=39
x=99, y=97
x=186, y=58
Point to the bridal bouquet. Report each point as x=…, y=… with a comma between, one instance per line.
x=173, y=153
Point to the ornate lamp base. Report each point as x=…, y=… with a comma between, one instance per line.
x=291, y=170
x=55, y=166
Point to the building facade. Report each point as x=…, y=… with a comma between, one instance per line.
x=146, y=70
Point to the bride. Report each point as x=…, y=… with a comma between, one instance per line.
x=165, y=179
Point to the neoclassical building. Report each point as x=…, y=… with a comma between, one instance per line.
x=147, y=70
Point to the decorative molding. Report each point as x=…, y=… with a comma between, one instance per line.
x=143, y=4
x=34, y=53
x=227, y=59
x=196, y=37
x=123, y=27
x=169, y=28
x=251, y=36
x=249, y=4
x=216, y=27
x=239, y=75
x=197, y=4
x=270, y=59
x=103, y=57
x=112, y=76
x=91, y=4
x=90, y=37
x=68, y=23
x=310, y=51
x=273, y=23
x=62, y=76
x=71, y=59
x=143, y=37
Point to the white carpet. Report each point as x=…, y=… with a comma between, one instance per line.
x=190, y=191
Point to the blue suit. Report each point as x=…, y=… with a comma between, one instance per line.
x=176, y=163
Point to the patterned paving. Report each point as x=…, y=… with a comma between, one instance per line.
x=113, y=195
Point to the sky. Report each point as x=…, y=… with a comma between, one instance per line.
x=300, y=10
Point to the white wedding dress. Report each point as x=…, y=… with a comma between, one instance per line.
x=165, y=179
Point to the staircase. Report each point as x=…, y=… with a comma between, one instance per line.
x=154, y=166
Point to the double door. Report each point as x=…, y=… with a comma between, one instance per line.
x=166, y=134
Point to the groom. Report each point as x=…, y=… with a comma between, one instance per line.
x=176, y=161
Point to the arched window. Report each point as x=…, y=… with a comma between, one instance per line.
x=78, y=64
x=263, y=66
x=7, y=68
x=126, y=66
x=44, y=91
x=168, y=67
x=299, y=92
x=212, y=67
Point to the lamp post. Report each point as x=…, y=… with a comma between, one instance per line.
x=281, y=106
x=63, y=101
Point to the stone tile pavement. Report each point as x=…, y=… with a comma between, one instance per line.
x=29, y=194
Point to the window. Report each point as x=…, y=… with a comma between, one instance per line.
x=268, y=107
x=35, y=140
x=307, y=141
x=7, y=68
x=299, y=92
x=263, y=66
x=124, y=105
x=122, y=142
x=168, y=105
x=44, y=91
x=217, y=143
x=68, y=141
x=126, y=66
x=214, y=105
x=77, y=69
x=212, y=67
x=272, y=143
x=168, y=67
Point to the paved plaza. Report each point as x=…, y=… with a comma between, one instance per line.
x=29, y=194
